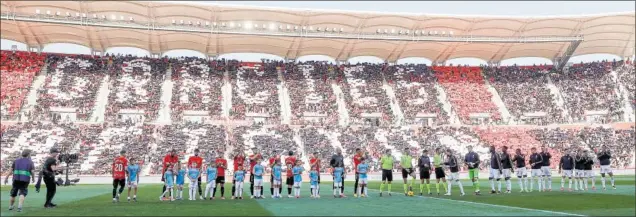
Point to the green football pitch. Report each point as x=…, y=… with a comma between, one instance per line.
x=93, y=200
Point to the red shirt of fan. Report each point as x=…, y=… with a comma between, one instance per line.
x=290, y=162
x=119, y=167
x=238, y=161
x=195, y=159
x=220, y=163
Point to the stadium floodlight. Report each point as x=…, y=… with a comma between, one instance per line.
x=311, y=28
x=131, y=19
x=450, y=33
x=121, y=17
x=288, y=27
x=190, y=23
x=213, y=23
x=48, y=12
x=84, y=15
x=341, y=29
x=377, y=31
x=407, y=32
x=318, y=29
x=417, y=32
x=37, y=11
x=386, y=31
x=443, y=32
x=57, y=13
x=94, y=16
x=392, y=31
x=181, y=22
x=223, y=24
x=103, y=17
x=207, y=23
x=304, y=27
x=435, y=33
x=68, y=14
x=295, y=28
x=174, y=22
x=401, y=32
x=239, y=25
x=77, y=14
x=256, y=26
x=113, y=17
x=327, y=29
x=198, y=23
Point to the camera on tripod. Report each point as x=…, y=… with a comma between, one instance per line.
x=69, y=158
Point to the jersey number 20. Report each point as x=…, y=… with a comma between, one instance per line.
x=119, y=167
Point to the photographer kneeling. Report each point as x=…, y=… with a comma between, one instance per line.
x=48, y=174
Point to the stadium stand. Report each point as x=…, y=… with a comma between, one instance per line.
x=588, y=87
x=310, y=91
x=364, y=93
x=467, y=92
x=523, y=89
x=136, y=85
x=414, y=87
x=72, y=82
x=197, y=87
x=18, y=70
x=254, y=90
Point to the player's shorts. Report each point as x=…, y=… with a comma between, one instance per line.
x=212, y=183
x=133, y=183
x=425, y=174
x=387, y=175
x=314, y=185
x=606, y=169
x=363, y=181
x=473, y=173
x=579, y=173
x=407, y=172
x=521, y=172
x=220, y=179
x=193, y=183
x=119, y=182
x=298, y=184
x=506, y=173
x=339, y=184
x=536, y=172
x=289, y=181
x=439, y=173
x=546, y=171
x=169, y=184
x=567, y=173
x=494, y=174
x=258, y=182
x=277, y=181
x=589, y=173
x=453, y=176
x=19, y=187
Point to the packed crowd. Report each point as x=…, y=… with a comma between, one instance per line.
x=97, y=145
x=310, y=91
x=136, y=85
x=197, y=87
x=364, y=92
x=589, y=87
x=72, y=82
x=627, y=75
x=414, y=87
x=17, y=71
x=255, y=89
x=466, y=92
x=524, y=91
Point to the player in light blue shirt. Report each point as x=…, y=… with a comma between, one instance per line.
x=338, y=174
x=298, y=177
x=239, y=177
x=313, y=176
x=211, y=179
x=169, y=177
x=277, y=174
x=363, y=170
x=193, y=175
x=258, y=179
x=181, y=173
x=133, y=177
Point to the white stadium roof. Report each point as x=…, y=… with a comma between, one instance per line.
x=100, y=25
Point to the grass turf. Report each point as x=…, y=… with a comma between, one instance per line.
x=95, y=200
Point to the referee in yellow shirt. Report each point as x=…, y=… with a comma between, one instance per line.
x=407, y=169
x=438, y=163
x=387, y=170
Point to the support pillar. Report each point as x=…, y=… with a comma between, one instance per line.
x=34, y=49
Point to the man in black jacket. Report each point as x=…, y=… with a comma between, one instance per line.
x=337, y=160
x=48, y=174
x=566, y=165
x=536, y=161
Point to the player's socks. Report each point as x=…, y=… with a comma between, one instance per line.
x=461, y=187
x=289, y=191
x=492, y=184
x=222, y=191
x=366, y=191
x=421, y=188
x=603, y=181
x=437, y=187
x=405, y=188
x=508, y=185
x=428, y=187
x=570, y=184
x=448, y=189
x=612, y=181
x=521, y=183
x=562, y=182
x=335, y=191
x=234, y=190
x=531, y=184
x=550, y=182
x=586, y=183
x=389, y=188
x=593, y=182
x=444, y=185
x=476, y=185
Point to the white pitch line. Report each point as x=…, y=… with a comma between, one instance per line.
x=500, y=206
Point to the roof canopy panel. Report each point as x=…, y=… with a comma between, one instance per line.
x=604, y=33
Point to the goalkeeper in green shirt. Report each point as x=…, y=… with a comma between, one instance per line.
x=387, y=170
x=407, y=170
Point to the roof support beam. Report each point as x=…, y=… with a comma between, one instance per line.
x=562, y=51
x=294, y=47
x=351, y=44
x=503, y=50
x=443, y=56
x=566, y=56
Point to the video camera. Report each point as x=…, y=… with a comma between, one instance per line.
x=69, y=158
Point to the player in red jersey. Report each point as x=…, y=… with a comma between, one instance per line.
x=357, y=159
x=170, y=159
x=253, y=159
x=290, y=161
x=119, y=174
x=314, y=161
x=272, y=163
x=221, y=165
x=239, y=160
x=199, y=162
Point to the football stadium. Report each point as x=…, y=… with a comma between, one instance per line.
x=151, y=108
